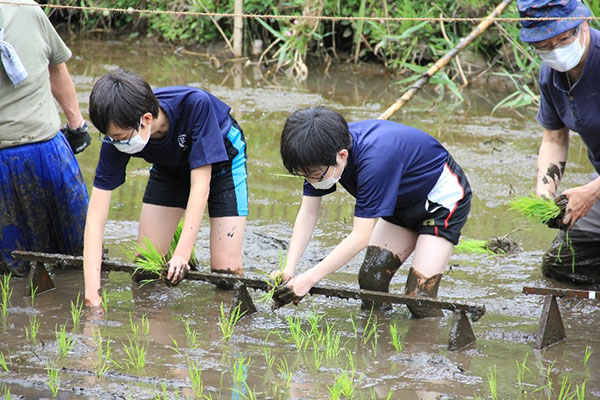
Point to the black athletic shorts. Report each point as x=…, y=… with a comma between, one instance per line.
x=228, y=196
x=444, y=212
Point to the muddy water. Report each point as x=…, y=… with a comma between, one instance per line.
x=498, y=153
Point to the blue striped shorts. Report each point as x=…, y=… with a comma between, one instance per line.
x=228, y=197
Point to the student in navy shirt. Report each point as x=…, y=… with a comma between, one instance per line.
x=411, y=196
x=569, y=101
x=198, y=156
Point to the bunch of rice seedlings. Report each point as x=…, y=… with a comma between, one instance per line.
x=474, y=246
x=151, y=262
x=536, y=208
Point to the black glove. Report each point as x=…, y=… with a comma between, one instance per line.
x=78, y=138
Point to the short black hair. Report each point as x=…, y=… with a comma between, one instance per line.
x=121, y=97
x=311, y=138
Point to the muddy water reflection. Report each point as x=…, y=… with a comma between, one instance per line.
x=498, y=154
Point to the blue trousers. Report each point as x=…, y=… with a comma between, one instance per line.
x=43, y=201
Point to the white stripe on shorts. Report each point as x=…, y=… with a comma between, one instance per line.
x=447, y=191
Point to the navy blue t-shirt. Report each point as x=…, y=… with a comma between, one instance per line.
x=579, y=108
x=198, y=125
x=390, y=166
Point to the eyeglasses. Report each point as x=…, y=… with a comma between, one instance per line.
x=109, y=140
x=565, y=41
x=319, y=179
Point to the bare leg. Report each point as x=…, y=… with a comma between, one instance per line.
x=226, y=239
x=158, y=224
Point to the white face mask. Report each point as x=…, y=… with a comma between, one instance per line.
x=329, y=182
x=565, y=58
x=136, y=144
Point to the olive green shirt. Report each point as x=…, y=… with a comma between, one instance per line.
x=28, y=112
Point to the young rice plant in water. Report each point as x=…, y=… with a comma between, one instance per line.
x=65, y=343
x=76, y=310
x=227, y=323
x=6, y=293
x=53, y=373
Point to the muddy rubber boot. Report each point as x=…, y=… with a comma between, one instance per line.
x=419, y=286
x=223, y=284
x=376, y=272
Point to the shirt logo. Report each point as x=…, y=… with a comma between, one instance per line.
x=182, y=141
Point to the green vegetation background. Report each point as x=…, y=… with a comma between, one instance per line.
x=407, y=46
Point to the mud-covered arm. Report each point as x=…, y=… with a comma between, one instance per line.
x=93, y=236
x=551, y=162
x=303, y=228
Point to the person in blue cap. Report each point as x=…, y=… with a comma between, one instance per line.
x=569, y=101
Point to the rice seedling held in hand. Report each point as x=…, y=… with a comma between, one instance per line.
x=7, y=292
x=152, y=264
x=537, y=208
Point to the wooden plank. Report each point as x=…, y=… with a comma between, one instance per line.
x=476, y=311
x=582, y=294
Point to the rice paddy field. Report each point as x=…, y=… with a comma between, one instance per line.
x=159, y=342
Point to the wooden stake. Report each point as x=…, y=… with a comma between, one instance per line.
x=442, y=62
x=238, y=28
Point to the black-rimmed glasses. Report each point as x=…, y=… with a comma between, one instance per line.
x=109, y=140
x=319, y=179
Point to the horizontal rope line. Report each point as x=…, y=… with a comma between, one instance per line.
x=299, y=17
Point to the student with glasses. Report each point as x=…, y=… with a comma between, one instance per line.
x=411, y=197
x=569, y=101
x=198, y=156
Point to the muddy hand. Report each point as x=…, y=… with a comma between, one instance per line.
x=557, y=222
x=284, y=295
x=178, y=269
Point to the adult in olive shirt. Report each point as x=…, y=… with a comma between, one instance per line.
x=43, y=199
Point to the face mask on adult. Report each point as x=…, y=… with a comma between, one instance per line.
x=565, y=58
x=329, y=182
x=136, y=144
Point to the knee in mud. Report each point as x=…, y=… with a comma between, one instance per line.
x=378, y=268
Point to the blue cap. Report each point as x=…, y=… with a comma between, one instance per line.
x=536, y=31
